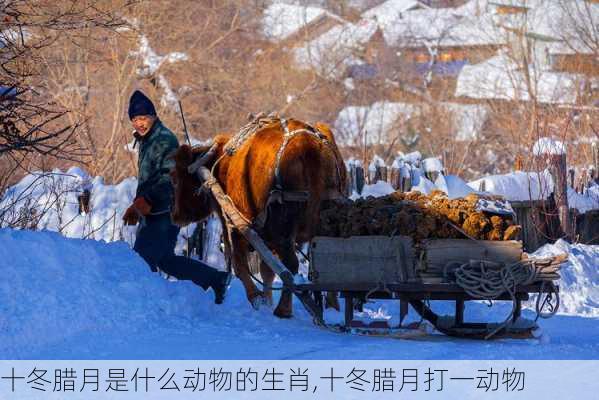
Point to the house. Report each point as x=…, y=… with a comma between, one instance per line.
x=563, y=35
x=502, y=78
x=292, y=24
x=356, y=49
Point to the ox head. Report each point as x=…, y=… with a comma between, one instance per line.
x=191, y=202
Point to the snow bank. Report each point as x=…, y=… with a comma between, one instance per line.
x=48, y=201
x=56, y=289
x=84, y=299
x=579, y=284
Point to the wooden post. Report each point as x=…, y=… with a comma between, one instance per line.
x=571, y=172
x=595, y=148
x=406, y=184
x=378, y=174
x=383, y=173
x=482, y=187
x=84, y=199
x=360, y=181
x=557, y=166
x=405, y=178
x=352, y=178
x=591, y=176
x=372, y=177
x=395, y=178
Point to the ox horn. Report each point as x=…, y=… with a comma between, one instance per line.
x=206, y=157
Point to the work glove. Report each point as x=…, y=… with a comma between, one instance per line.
x=140, y=207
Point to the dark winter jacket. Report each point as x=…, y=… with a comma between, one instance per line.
x=154, y=165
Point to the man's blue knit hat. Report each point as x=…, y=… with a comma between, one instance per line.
x=140, y=104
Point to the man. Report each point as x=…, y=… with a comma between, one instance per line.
x=156, y=234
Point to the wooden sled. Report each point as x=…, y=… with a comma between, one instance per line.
x=399, y=276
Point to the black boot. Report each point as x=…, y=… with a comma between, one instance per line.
x=220, y=289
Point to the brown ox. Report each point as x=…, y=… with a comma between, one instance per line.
x=308, y=164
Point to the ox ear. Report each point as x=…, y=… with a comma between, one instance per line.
x=325, y=129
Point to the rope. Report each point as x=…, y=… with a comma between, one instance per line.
x=479, y=281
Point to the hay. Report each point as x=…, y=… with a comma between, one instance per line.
x=417, y=215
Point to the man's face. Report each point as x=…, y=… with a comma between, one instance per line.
x=143, y=123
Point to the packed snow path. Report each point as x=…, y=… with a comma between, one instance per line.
x=81, y=299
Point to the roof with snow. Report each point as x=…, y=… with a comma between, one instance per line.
x=391, y=12
x=281, y=20
x=443, y=27
x=335, y=48
x=501, y=78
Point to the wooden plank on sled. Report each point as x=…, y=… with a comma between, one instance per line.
x=440, y=252
x=368, y=260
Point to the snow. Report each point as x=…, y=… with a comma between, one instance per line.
x=432, y=164
x=525, y=186
x=376, y=122
x=99, y=300
x=413, y=158
x=517, y=186
x=456, y=187
x=391, y=13
x=381, y=188
x=152, y=62
x=51, y=200
x=382, y=121
x=376, y=162
x=501, y=78
x=439, y=27
x=579, y=284
x=283, y=20
x=48, y=201
x=548, y=146
x=583, y=202
x=334, y=49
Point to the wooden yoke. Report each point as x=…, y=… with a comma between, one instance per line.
x=243, y=226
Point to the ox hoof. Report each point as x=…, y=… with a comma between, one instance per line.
x=283, y=313
x=258, y=301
